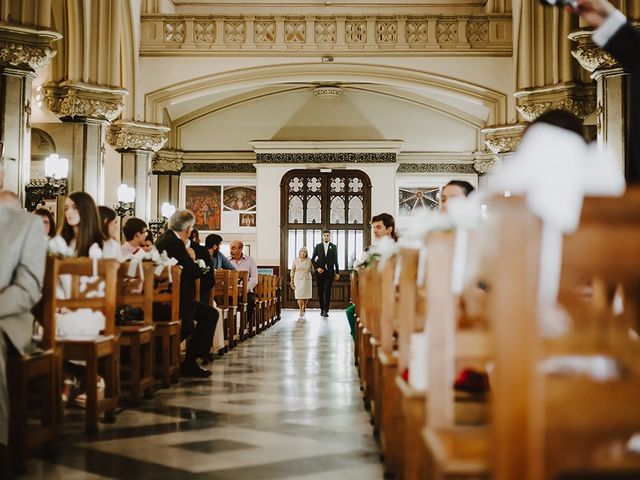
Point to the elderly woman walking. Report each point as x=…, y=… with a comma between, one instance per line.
x=301, y=279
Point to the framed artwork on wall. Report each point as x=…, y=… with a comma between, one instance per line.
x=247, y=220
x=240, y=199
x=205, y=202
x=416, y=200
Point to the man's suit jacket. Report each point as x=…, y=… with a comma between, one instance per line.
x=208, y=281
x=176, y=248
x=625, y=47
x=329, y=262
x=24, y=248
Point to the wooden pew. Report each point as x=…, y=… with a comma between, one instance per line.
x=354, y=291
x=137, y=337
x=569, y=425
x=388, y=396
x=167, y=332
x=220, y=294
x=411, y=316
x=455, y=450
x=92, y=350
x=232, y=305
x=259, y=313
x=43, y=368
x=245, y=322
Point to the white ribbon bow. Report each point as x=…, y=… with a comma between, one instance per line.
x=95, y=254
x=556, y=169
x=136, y=264
x=164, y=261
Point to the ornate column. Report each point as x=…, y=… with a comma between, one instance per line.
x=23, y=51
x=136, y=143
x=167, y=165
x=613, y=96
x=547, y=77
x=90, y=108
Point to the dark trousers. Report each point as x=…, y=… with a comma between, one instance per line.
x=200, y=323
x=198, y=320
x=324, y=282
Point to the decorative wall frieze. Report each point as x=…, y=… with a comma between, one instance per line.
x=26, y=48
x=589, y=55
x=436, y=168
x=168, y=162
x=218, y=167
x=123, y=135
x=80, y=100
x=575, y=98
x=504, y=138
x=487, y=34
x=327, y=157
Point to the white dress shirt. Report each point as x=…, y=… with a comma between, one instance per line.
x=609, y=28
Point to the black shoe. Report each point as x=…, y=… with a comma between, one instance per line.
x=193, y=370
x=325, y=314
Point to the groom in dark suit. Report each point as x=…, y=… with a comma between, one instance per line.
x=325, y=263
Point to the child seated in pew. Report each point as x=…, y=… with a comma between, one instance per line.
x=80, y=235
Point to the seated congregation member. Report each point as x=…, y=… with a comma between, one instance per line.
x=23, y=246
x=325, y=264
x=174, y=241
x=243, y=262
x=218, y=260
x=149, y=240
x=384, y=225
x=109, y=228
x=453, y=189
x=48, y=221
x=135, y=236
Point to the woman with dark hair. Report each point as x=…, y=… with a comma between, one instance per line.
x=109, y=228
x=81, y=224
x=48, y=221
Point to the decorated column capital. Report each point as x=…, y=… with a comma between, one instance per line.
x=26, y=48
x=572, y=97
x=167, y=162
x=75, y=100
x=589, y=55
x=503, y=138
x=126, y=136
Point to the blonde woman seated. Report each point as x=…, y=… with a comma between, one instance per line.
x=301, y=279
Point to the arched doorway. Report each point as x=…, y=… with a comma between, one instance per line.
x=314, y=200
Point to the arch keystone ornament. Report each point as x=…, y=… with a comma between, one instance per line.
x=137, y=136
x=71, y=100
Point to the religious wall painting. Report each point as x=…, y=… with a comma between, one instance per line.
x=415, y=200
x=204, y=201
x=240, y=199
x=247, y=220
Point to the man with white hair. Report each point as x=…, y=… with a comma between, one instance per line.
x=23, y=246
x=244, y=262
x=174, y=241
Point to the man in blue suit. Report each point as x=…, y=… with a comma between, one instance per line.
x=325, y=263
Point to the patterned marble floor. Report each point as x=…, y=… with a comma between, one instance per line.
x=285, y=404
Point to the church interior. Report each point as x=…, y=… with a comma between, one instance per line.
x=497, y=339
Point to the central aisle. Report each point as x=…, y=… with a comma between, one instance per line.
x=285, y=404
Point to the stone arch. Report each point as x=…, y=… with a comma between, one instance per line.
x=157, y=101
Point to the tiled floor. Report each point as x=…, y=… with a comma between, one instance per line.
x=285, y=404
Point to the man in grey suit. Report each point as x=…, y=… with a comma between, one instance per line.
x=23, y=246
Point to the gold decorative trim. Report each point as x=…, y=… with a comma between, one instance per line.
x=165, y=34
x=574, y=98
x=167, y=162
x=503, y=138
x=589, y=55
x=72, y=100
x=26, y=48
x=137, y=136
